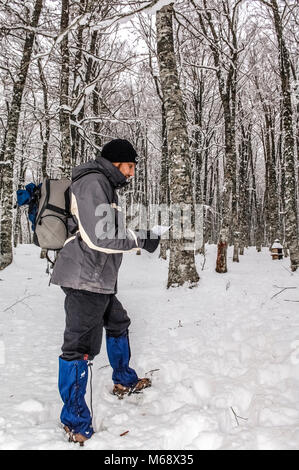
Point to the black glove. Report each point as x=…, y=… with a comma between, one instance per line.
x=151, y=243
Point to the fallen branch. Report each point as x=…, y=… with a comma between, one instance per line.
x=292, y=274
x=282, y=290
x=18, y=301
x=237, y=417
x=152, y=371
x=287, y=287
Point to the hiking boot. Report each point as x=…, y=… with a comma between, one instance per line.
x=75, y=437
x=121, y=390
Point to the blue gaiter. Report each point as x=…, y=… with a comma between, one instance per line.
x=72, y=384
x=119, y=354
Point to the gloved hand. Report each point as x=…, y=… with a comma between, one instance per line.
x=151, y=243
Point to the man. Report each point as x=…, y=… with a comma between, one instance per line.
x=87, y=269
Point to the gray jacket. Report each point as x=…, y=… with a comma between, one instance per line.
x=91, y=258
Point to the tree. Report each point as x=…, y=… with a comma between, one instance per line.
x=182, y=263
x=224, y=47
x=11, y=141
x=291, y=228
x=64, y=113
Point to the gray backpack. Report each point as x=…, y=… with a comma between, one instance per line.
x=53, y=213
x=51, y=228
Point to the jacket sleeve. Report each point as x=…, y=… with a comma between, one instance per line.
x=100, y=223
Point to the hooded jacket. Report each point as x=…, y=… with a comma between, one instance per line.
x=90, y=259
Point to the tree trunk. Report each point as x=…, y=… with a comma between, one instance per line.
x=64, y=113
x=164, y=179
x=244, y=203
x=76, y=95
x=229, y=179
x=182, y=268
x=271, y=205
x=291, y=228
x=46, y=135
x=227, y=83
x=17, y=232
x=11, y=141
x=281, y=158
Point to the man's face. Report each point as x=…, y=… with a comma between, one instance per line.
x=127, y=169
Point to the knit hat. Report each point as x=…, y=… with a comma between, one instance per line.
x=119, y=150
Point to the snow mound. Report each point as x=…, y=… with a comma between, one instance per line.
x=30, y=406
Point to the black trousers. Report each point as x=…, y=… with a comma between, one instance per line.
x=86, y=315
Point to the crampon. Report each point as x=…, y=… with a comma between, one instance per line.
x=121, y=391
x=75, y=437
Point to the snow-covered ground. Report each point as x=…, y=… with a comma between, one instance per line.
x=228, y=347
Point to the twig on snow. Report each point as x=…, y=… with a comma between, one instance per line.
x=18, y=301
x=237, y=417
x=151, y=372
x=282, y=290
x=291, y=274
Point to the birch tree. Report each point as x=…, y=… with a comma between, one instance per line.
x=64, y=113
x=182, y=263
x=291, y=229
x=11, y=141
x=225, y=51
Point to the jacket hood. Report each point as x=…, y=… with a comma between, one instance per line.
x=116, y=178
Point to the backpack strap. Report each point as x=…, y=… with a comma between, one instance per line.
x=57, y=209
x=67, y=197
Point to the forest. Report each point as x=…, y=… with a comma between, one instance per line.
x=207, y=91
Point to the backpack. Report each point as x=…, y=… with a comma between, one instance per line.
x=51, y=228
x=49, y=210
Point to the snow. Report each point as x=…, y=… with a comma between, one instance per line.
x=30, y=406
x=223, y=357
x=276, y=244
x=150, y=9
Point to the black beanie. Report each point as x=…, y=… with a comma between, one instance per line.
x=119, y=150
